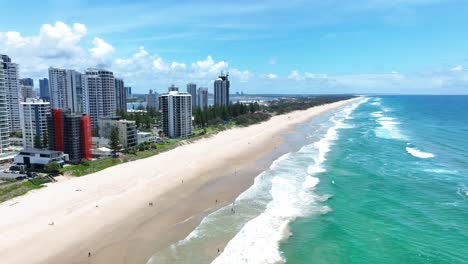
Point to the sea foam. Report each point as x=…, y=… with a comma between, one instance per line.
x=418, y=153
x=292, y=196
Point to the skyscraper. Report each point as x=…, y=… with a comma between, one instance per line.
x=192, y=90
x=44, y=89
x=221, y=90
x=66, y=89
x=34, y=121
x=202, y=97
x=173, y=88
x=152, y=100
x=10, y=71
x=99, y=89
x=177, y=114
x=27, y=81
x=128, y=89
x=4, y=135
x=120, y=95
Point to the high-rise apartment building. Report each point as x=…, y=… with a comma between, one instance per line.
x=26, y=91
x=34, y=114
x=99, y=89
x=70, y=133
x=202, y=98
x=172, y=88
x=128, y=90
x=221, y=90
x=44, y=89
x=152, y=100
x=192, y=90
x=4, y=132
x=27, y=81
x=66, y=90
x=120, y=95
x=10, y=71
x=177, y=114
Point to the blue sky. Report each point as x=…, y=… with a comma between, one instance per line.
x=295, y=46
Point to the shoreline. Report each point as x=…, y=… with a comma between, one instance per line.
x=108, y=213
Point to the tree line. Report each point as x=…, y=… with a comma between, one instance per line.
x=217, y=115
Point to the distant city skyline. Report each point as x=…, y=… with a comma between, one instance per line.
x=293, y=47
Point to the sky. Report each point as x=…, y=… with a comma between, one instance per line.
x=271, y=46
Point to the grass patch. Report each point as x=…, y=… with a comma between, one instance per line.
x=17, y=188
x=90, y=167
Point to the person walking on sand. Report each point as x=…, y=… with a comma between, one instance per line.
x=89, y=254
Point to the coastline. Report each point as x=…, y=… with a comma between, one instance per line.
x=108, y=213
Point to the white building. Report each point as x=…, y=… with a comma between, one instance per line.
x=99, y=89
x=37, y=158
x=221, y=90
x=202, y=98
x=177, y=114
x=66, y=90
x=192, y=90
x=143, y=137
x=10, y=71
x=34, y=121
x=4, y=133
x=152, y=100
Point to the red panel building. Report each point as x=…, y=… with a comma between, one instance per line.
x=86, y=137
x=71, y=133
x=58, y=127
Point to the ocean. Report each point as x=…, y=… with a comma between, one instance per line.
x=382, y=180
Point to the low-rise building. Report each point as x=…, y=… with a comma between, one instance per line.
x=143, y=137
x=127, y=130
x=36, y=158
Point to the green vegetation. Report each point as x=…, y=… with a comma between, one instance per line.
x=216, y=115
x=144, y=121
x=52, y=168
x=90, y=166
x=286, y=105
x=37, y=142
x=16, y=134
x=114, y=140
x=12, y=188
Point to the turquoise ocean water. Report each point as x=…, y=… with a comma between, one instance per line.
x=384, y=180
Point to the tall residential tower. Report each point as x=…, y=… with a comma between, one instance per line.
x=99, y=89
x=10, y=71
x=120, y=95
x=66, y=90
x=202, y=97
x=221, y=90
x=177, y=114
x=4, y=133
x=192, y=90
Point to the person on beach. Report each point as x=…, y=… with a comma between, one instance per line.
x=216, y=202
x=89, y=254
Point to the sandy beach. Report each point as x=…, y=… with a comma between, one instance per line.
x=108, y=214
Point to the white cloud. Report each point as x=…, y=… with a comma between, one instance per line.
x=101, y=50
x=271, y=76
x=457, y=68
x=295, y=76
